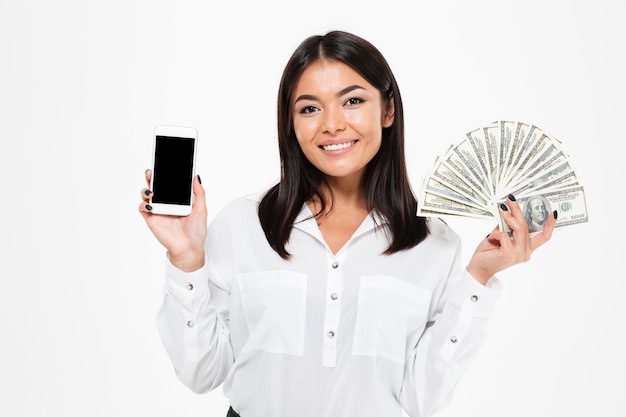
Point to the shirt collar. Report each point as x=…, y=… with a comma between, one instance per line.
x=306, y=222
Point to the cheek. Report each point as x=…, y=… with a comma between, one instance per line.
x=303, y=147
x=304, y=140
x=303, y=130
x=368, y=124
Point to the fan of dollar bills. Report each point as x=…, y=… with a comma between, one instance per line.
x=474, y=175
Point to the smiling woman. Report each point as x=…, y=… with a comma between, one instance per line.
x=328, y=288
x=338, y=122
x=335, y=90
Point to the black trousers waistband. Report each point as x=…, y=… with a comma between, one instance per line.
x=232, y=413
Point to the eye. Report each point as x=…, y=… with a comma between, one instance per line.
x=353, y=101
x=308, y=110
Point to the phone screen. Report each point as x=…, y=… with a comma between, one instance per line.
x=173, y=170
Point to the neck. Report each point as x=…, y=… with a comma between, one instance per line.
x=339, y=203
x=343, y=193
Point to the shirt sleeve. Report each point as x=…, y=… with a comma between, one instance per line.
x=193, y=324
x=450, y=342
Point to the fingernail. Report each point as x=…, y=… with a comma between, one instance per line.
x=199, y=179
x=148, y=207
x=147, y=171
x=555, y=214
x=148, y=192
x=487, y=237
x=511, y=197
x=504, y=207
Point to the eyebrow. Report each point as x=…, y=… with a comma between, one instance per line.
x=339, y=94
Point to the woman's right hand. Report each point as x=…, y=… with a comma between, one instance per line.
x=182, y=236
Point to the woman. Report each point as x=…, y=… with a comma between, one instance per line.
x=327, y=295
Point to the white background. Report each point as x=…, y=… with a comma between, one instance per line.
x=82, y=84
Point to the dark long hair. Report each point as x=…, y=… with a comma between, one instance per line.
x=386, y=186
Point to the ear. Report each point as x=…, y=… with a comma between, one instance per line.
x=390, y=111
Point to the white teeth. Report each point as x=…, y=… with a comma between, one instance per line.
x=338, y=146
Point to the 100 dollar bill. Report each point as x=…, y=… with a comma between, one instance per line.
x=570, y=203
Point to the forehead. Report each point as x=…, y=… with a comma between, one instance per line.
x=536, y=202
x=329, y=76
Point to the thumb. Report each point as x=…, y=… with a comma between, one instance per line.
x=199, y=202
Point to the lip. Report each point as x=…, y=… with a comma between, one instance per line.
x=336, y=147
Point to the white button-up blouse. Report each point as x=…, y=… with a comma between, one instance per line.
x=357, y=333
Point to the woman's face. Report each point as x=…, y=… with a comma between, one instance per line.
x=338, y=118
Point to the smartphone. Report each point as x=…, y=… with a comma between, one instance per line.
x=173, y=168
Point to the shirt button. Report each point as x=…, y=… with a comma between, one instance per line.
x=190, y=324
x=453, y=339
x=190, y=286
x=474, y=298
x=334, y=296
x=330, y=334
x=335, y=265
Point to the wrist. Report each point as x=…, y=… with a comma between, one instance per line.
x=187, y=261
x=478, y=274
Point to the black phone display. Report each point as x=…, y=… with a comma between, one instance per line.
x=173, y=170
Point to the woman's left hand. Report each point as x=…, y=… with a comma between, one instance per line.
x=499, y=250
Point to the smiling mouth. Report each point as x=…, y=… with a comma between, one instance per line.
x=338, y=146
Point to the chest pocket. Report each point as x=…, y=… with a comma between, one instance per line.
x=391, y=315
x=274, y=307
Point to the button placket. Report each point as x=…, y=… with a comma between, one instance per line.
x=332, y=312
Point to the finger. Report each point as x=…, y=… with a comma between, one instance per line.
x=145, y=209
x=521, y=247
x=517, y=218
x=516, y=213
x=546, y=234
x=199, y=203
x=494, y=230
x=505, y=242
x=514, y=207
x=146, y=194
x=511, y=217
x=551, y=224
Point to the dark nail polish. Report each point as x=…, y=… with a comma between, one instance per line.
x=199, y=180
x=148, y=207
x=148, y=192
x=511, y=197
x=555, y=214
x=504, y=207
x=488, y=236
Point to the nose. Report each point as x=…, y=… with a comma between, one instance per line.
x=333, y=121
